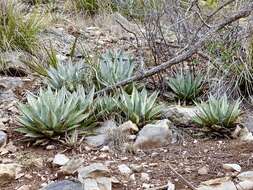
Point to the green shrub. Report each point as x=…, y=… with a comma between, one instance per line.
x=218, y=115
x=17, y=30
x=114, y=67
x=89, y=6
x=69, y=75
x=185, y=86
x=139, y=107
x=53, y=113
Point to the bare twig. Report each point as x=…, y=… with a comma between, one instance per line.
x=185, y=181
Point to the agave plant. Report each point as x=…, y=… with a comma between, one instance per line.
x=114, y=66
x=218, y=114
x=52, y=113
x=186, y=87
x=68, y=75
x=139, y=107
x=107, y=106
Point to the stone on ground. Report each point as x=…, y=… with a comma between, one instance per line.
x=3, y=138
x=64, y=185
x=60, y=159
x=154, y=135
x=179, y=115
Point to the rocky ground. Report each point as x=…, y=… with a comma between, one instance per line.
x=155, y=158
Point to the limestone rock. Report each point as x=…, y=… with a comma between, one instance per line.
x=203, y=171
x=60, y=159
x=129, y=127
x=125, y=170
x=92, y=171
x=64, y=185
x=3, y=138
x=232, y=167
x=72, y=166
x=179, y=115
x=154, y=135
x=95, y=177
x=101, y=137
x=224, y=183
x=145, y=177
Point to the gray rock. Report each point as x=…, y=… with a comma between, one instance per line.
x=101, y=138
x=232, y=167
x=60, y=159
x=203, y=171
x=136, y=167
x=154, y=135
x=3, y=138
x=125, y=170
x=64, y=185
x=92, y=171
x=95, y=177
x=72, y=166
x=145, y=177
x=180, y=115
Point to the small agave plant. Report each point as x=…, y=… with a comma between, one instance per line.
x=68, y=75
x=139, y=107
x=114, y=67
x=52, y=113
x=218, y=114
x=185, y=86
x=107, y=106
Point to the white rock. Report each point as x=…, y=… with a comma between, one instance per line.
x=180, y=115
x=24, y=187
x=60, y=159
x=203, y=171
x=232, y=167
x=3, y=138
x=132, y=177
x=124, y=169
x=92, y=171
x=154, y=135
x=147, y=186
x=105, y=149
x=170, y=186
x=50, y=147
x=71, y=166
x=136, y=167
x=145, y=177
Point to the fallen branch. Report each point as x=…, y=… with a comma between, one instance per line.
x=191, y=50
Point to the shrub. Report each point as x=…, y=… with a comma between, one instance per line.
x=53, y=113
x=89, y=6
x=185, y=86
x=218, y=115
x=18, y=31
x=139, y=107
x=114, y=67
x=69, y=75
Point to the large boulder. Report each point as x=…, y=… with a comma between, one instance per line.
x=154, y=135
x=179, y=115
